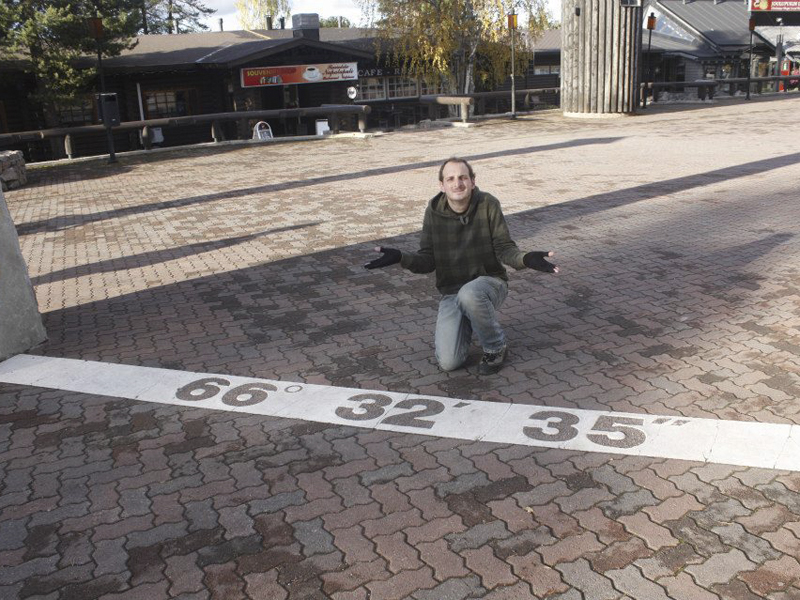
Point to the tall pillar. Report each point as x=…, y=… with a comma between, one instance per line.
x=600, y=56
x=20, y=322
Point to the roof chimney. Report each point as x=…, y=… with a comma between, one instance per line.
x=306, y=26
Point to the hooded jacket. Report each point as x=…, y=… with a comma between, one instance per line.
x=463, y=247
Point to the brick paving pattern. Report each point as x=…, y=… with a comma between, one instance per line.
x=676, y=234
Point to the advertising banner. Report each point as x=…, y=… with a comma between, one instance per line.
x=774, y=5
x=296, y=74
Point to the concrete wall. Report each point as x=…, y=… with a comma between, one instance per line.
x=20, y=322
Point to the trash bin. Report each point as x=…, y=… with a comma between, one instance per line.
x=322, y=126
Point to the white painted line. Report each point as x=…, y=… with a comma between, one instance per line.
x=774, y=446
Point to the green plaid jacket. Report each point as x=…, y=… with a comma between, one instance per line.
x=463, y=247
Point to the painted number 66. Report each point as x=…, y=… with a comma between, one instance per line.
x=243, y=395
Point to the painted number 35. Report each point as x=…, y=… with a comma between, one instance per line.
x=616, y=432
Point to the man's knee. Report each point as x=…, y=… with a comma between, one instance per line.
x=469, y=299
x=449, y=363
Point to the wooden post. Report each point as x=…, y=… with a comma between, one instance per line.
x=600, y=57
x=217, y=133
x=147, y=137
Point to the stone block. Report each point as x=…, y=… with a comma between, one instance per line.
x=21, y=325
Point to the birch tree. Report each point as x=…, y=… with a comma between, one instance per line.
x=464, y=44
x=253, y=13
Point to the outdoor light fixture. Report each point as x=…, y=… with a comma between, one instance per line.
x=577, y=11
x=95, y=26
x=751, y=25
x=512, y=25
x=651, y=24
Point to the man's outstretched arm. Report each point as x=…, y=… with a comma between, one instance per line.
x=536, y=260
x=389, y=256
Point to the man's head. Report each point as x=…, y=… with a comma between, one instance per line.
x=457, y=180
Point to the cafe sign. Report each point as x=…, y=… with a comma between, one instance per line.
x=295, y=74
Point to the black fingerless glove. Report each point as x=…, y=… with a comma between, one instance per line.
x=389, y=256
x=535, y=260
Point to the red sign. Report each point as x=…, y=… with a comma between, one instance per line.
x=775, y=5
x=292, y=74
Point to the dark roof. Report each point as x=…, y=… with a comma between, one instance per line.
x=548, y=41
x=722, y=22
x=229, y=49
x=668, y=44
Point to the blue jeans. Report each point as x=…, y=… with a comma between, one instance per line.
x=473, y=308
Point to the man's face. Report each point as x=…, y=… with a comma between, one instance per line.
x=456, y=182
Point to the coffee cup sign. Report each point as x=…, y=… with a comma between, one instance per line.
x=312, y=74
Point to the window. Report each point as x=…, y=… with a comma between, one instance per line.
x=541, y=70
x=430, y=88
x=401, y=87
x=80, y=113
x=555, y=69
x=371, y=88
x=169, y=103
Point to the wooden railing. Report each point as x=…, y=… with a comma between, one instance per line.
x=708, y=88
x=67, y=134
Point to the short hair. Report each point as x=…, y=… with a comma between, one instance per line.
x=455, y=159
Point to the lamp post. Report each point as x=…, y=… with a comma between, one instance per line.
x=512, y=25
x=651, y=24
x=96, y=30
x=751, y=25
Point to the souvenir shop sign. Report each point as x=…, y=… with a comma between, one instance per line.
x=774, y=5
x=295, y=74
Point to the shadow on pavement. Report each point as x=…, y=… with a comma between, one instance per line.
x=61, y=222
x=321, y=318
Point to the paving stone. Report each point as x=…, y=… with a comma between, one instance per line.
x=773, y=575
x=445, y=563
x=720, y=568
x=453, y=589
x=477, y=536
x=488, y=567
x=631, y=582
x=580, y=576
x=401, y=585
x=655, y=536
x=313, y=537
x=543, y=580
x=569, y=548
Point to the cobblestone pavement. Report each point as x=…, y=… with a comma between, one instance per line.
x=676, y=234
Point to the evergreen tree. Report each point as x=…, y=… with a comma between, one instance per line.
x=53, y=35
x=173, y=16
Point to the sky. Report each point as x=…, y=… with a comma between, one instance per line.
x=324, y=8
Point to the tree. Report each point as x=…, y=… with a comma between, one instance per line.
x=54, y=36
x=462, y=43
x=174, y=16
x=253, y=13
x=335, y=22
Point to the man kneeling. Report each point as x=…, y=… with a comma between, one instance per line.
x=465, y=239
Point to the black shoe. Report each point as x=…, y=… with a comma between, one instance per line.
x=492, y=362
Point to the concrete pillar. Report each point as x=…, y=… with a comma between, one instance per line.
x=20, y=322
x=600, y=56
